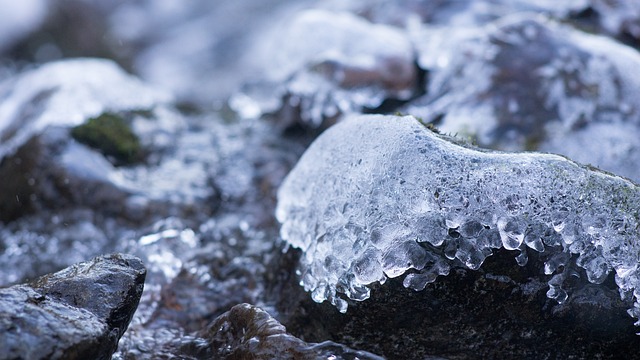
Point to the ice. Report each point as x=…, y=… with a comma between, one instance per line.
x=331, y=63
x=527, y=82
x=19, y=18
x=67, y=93
x=379, y=197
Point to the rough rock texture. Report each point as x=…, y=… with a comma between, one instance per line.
x=77, y=313
x=248, y=332
x=500, y=311
x=375, y=198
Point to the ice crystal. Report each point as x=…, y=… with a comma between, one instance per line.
x=376, y=197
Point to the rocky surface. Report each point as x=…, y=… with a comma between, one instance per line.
x=192, y=192
x=77, y=313
x=247, y=332
x=417, y=209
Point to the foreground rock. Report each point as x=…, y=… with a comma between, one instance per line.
x=78, y=313
x=376, y=198
x=248, y=332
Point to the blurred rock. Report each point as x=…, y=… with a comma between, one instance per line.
x=323, y=64
x=77, y=313
x=527, y=83
x=74, y=133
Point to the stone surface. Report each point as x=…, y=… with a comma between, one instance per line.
x=499, y=311
x=378, y=197
x=77, y=313
x=248, y=332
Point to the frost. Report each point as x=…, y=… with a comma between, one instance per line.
x=19, y=18
x=377, y=197
x=66, y=93
x=525, y=82
x=331, y=63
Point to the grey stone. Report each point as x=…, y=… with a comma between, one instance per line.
x=77, y=313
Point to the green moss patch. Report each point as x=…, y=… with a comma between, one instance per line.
x=112, y=136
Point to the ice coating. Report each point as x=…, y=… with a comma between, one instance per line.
x=376, y=197
x=66, y=93
x=18, y=19
x=334, y=62
x=526, y=82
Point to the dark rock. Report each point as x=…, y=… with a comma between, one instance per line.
x=497, y=312
x=77, y=313
x=248, y=332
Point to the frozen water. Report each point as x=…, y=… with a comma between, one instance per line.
x=19, y=18
x=67, y=93
x=334, y=62
x=377, y=197
x=527, y=83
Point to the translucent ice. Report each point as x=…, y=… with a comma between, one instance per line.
x=376, y=197
x=527, y=82
x=335, y=62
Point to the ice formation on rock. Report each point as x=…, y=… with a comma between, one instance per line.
x=18, y=19
x=376, y=197
x=335, y=62
x=526, y=82
x=66, y=93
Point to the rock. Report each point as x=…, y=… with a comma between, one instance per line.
x=79, y=141
x=497, y=312
x=77, y=313
x=18, y=20
x=375, y=198
x=331, y=63
x=248, y=332
x=65, y=94
x=527, y=83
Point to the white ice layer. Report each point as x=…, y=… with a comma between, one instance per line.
x=66, y=93
x=334, y=62
x=528, y=81
x=376, y=197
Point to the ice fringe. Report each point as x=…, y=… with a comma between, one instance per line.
x=376, y=197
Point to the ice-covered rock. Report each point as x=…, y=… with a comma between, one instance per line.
x=377, y=197
x=18, y=19
x=78, y=127
x=67, y=93
x=526, y=82
x=326, y=63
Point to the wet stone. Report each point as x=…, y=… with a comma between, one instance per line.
x=77, y=313
x=354, y=195
x=248, y=332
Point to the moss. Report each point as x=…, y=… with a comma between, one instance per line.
x=112, y=136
